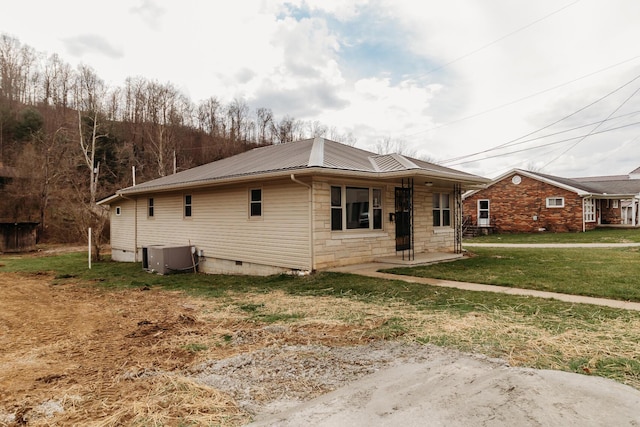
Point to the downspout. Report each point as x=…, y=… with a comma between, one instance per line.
x=584, y=225
x=311, y=240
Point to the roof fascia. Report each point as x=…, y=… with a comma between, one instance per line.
x=305, y=172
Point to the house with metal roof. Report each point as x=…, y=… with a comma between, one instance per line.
x=300, y=206
x=526, y=201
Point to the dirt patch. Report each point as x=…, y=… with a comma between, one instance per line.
x=72, y=354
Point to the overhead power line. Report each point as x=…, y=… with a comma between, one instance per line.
x=548, y=144
x=524, y=98
x=499, y=39
x=592, y=132
x=514, y=141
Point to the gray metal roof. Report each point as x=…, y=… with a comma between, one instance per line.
x=316, y=155
x=598, y=185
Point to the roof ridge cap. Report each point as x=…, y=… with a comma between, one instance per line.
x=316, y=156
x=404, y=161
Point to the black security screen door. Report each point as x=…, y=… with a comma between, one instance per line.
x=403, y=219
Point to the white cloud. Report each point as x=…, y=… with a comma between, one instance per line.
x=441, y=76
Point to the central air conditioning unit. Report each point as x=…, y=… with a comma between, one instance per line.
x=164, y=259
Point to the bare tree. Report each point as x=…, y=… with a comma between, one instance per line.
x=209, y=116
x=237, y=113
x=265, y=124
x=283, y=130
x=388, y=146
x=89, y=96
x=57, y=82
x=11, y=69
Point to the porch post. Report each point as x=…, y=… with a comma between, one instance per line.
x=457, y=193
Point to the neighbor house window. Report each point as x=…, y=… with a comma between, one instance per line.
x=589, y=210
x=615, y=204
x=150, y=211
x=118, y=210
x=255, y=202
x=187, y=205
x=441, y=210
x=555, y=202
x=352, y=211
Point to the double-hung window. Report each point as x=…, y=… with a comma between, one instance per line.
x=187, y=206
x=441, y=210
x=336, y=208
x=356, y=208
x=255, y=202
x=150, y=208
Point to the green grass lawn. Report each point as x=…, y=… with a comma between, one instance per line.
x=600, y=235
x=526, y=331
x=603, y=272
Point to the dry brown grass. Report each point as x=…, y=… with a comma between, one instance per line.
x=129, y=357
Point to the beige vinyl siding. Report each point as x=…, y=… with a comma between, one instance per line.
x=122, y=229
x=221, y=227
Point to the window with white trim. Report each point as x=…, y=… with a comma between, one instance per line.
x=118, y=211
x=589, y=210
x=555, y=202
x=356, y=208
x=615, y=204
x=150, y=207
x=336, y=208
x=441, y=210
x=255, y=202
x=187, y=206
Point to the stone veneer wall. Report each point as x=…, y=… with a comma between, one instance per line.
x=337, y=248
x=516, y=208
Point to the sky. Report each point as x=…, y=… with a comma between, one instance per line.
x=482, y=86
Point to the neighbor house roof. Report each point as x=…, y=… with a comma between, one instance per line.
x=595, y=186
x=310, y=156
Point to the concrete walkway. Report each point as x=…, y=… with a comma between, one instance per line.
x=551, y=245
x=372, y=270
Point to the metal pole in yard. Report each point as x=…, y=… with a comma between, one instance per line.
x=89, y=248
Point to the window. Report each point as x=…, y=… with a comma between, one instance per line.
x=615, y=204
x=377, y=209
x=336, y=208
x=187, y=205
x=150, y=211
x=555, y=202
x=484, y=209
x=255, y=202
x=357, y=207
x=441, y=210
x=589, y=210
x=118, y=210
x=353, y=210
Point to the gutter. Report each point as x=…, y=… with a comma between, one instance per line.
x=312, y=263
x=237, y=179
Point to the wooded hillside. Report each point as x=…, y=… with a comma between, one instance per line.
x=68, y=140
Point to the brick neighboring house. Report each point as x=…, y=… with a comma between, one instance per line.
x=525, y=201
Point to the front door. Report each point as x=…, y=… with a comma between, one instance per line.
x=483, y=213
x=403, y=219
